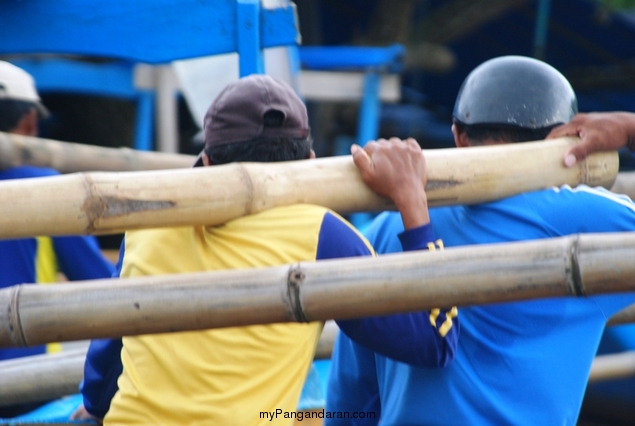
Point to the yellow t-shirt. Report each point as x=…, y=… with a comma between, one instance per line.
x=222, y=376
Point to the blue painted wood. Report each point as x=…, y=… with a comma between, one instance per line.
x=70, y=76
x=369, y=109
x=387, y=59
x=115, y=79
x=542, y=27
x=250, y=56
x=152, y=31
x=368, y=130
x=144, y=126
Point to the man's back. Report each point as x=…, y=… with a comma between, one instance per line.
x=517, y=363
x=225, y=376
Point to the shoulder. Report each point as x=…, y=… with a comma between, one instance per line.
x=566, y=210
x=295, y=215
x=382, y=232
x=556, y=199
x=595, y=195
x=338, y=238
x=585, y=203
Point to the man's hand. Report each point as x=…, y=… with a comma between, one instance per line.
x=397, y=170
x=82, y=414
x=600, y=131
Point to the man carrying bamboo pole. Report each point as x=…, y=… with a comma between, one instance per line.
x=248, y=375
x=37, y=260
x=523, y=363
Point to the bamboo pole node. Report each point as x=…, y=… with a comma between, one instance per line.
x=248, y=180
x=93, y=205
x=294, y=282
x=578, y=287
x=15, y=325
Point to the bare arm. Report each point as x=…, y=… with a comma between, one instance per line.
x=600, y=131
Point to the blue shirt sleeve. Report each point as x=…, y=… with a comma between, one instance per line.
x=103, y=366
x=80, y=258
x=421, y=238
x=426, y=339
x=101, y=371
x=338, y=239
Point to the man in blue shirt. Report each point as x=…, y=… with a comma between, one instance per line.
x=522, y=363
x=39, y=259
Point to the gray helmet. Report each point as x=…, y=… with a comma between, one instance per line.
x=516, y=91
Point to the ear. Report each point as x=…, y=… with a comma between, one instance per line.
x=205, y=159
x=27, y=126
x=311, y=155
x=460, y=137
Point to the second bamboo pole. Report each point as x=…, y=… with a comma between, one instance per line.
x=567, y=266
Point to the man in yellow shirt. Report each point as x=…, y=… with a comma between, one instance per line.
x=241, y=375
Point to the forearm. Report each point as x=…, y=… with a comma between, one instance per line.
x=414, y=210
x=422, y=339
x=101, y=371
x=425, y=339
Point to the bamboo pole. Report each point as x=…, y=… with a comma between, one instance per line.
x=66, y=157
x=41, y=377
x=100, y=203
x=327, y=340
x=46, y=377
x=348, y=288
x=625, y=184
x=614, y=366
x=51, y=376
x=625, y=316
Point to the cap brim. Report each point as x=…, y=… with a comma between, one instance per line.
x=42, y=110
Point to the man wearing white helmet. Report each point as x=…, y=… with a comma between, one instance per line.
x=37, y=259
x=19, y=101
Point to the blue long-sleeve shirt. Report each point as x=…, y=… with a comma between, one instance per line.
x=512, y=357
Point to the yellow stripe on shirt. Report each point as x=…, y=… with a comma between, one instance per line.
x=434, y=313
x=46, y=273
x=447, y=324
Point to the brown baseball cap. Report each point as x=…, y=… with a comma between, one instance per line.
x=237, y=114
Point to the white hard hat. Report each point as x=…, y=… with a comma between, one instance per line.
x=15, y=83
